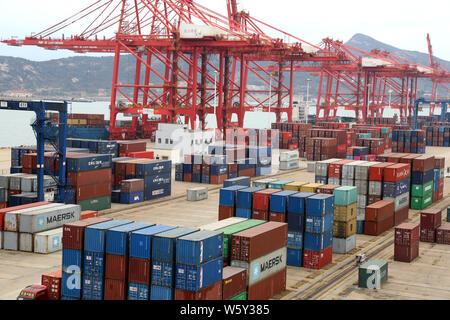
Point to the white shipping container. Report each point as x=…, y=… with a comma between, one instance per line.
x=287, y=165
x=360, y=214
x=262, y=183
x=362, y=186
x=334, y=181
x=362, y=201
x=347, y=182
x=11, y=218
x=400, y=202
x=27, y=183
x=48, y=241
x=10, y=240
x=311, y=166
x=375, y=188
x=221, y=224
x=33, y=222
x=322, y=167
x=15, y=182
x=5, y=179
x=362, y=170
x=263, y=267
x=26, y=242
x=348, y=169
x=344, y=245
x=289, y=155
x=196, y=194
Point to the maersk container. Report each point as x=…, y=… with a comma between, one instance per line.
x=196, y=277
x=199, y=247
x=71, y=284
x=95, y=236
x=227, y=196
x=88, y=162
x=138, y=291
x=93, y=287
x=279, y=201
x=72, y=260
x=295, y=240
x=117, y=239
x=50, y=218
x=157, y=179
x=163, y=273
x=164, y=244
x=12, y=218
x=320, y=204
x=297, y=202
x=294, y=257
x=394, y=189
x=94, y=263
x=318, y=241
x=314, y=224
x=243, y=213
x=157, y=192
x=161, y=293
x=244, y=198
x=141, y=241
x=296, y=222
x=239, y=181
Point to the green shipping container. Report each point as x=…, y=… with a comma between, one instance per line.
x=448, y=214
x=240, y=296
x=235, y=228
x=384, y=130
x=420, y=203
x=420, y=190
x=365, y=135
x=346, y=195
x=96, y=204
x=278, y=184
x=366, y=273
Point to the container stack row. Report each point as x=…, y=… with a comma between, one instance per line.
x=345, y=219
x=406, y=242
x=409, y=141
x=21, y=188
x=437, y=135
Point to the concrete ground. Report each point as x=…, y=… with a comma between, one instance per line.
x=425, y=278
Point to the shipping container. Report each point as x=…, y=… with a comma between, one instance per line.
x=48, y=241
x=11, y=217
x=73, y=232
x=379, y=210
x=406, y=253
x=116, y=267
x=279, y=201
x=267, y=288
x=141, y=240
x=320, y=205
x=317, y=259
x=93, y=287
x=261, y=199
x=117, y=238
x=234, y=281
x=368, y=271
x=197, y=277
x=228, y=195
x=344, y=245
x=221, y=224
x=138, y=291
x=161, y=293
x=115, y=289
x=406, y=234
x=164, y=243
x=431, y=218
x=199, y=247
x=95, y=235
x=52, y=280
x=297, y=202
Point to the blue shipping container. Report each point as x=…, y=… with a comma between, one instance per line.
x=244, y=198
x=94, y=263
x=138, y=291
x=394, y=189
x=153, y=167
x=218, y=169
x=157, y=179
x=117, y=239
x=314, y=224
x=227, y=196
x=240, y=181
x=72, y=259
x=360, y=227
x=197, y=277
x=141, y=241
x=318, y=241
x=199, y=247
x=296, y=222
x=164, y=244
x=320, y=205
x=133, y=197
x=93, y=287
x=279, y=201
x=71, y=284
x=205, y=178
x=243, y=213
x=196, y=177
x=161, y=293
x=95, y=235
x=157, y=192
x=418, y=177
x=295, y=240
x=294, y=257
x=262, y=171
x=178, y=176
x=89, y=162
x=187, y=168
x=319, y=179
x=163, y=273
x=297, y=202
x=232, y=175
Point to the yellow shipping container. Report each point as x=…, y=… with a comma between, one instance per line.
x=344, y=229
x=72, y=121
x=345, y=213
x=310, y=187
x=82, y=121
x=294, y=186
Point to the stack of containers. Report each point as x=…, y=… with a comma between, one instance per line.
x=411, y=141
x=94, y=259
x=406, y=243
x=73, y=256
x=179, y=172
x=296, y=227
x=422, y=174
x=379, y=217
x=335, y=171
x=52, y=281
x=116, y=262
x=279, y=205
x=131, y=191
x=321, y=170
x=396, y=187
x=289, y=160
x=256, y=248
x=199, y=264
x=376, y=175
x=261, y=203
x=244, y=202
x=318, y=238
x=362, y=175
x=164, y=263
x=139, y=267
x=439, y=174
x=430, y=221
x=234, y=283
x=227, y=201
x=157, y=175
x=345, y=219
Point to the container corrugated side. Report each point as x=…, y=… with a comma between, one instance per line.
x=199, y=247
x=164, y=244
x=33, y=222
x=221, y=224
x=95, y=236
x=48, y=241
x=117, y=239
x=12, y=220
x=141, y=241
x=196, y=277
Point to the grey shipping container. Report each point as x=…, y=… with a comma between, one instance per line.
x=263, y=183
x=50, y=218
x=5, y=179
x=48, y=241
x=11, y=218
x=334, y=181
x=344, y=245
x=287, y=165
x=362, y=201
x=3, y=194
x=348, y=169
x=264, y=266
x=400, y=202
x=360, y=214
x=321, y=168
x=10, y=240
x=1, y=239
x=195, y=194
x=375, y=188
x=26, y=242
x=362, y=170
x=362, y=186
x=288, y=156
x=347, y=182
x=15, y=182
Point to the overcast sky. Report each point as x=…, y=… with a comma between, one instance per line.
x=403, y=24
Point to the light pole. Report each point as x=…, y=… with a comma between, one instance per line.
x=215, y=91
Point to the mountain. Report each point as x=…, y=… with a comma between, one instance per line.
x=91, y=77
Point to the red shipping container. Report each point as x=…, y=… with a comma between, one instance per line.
x=255, y=242
x=277, y=216
x=441, y=184
x=141, y=154
x=187, y=177
x=409, y=158
x=380, y=210
x=234, y=281
x=213, y=292
x=376, y=171
x=335, y=168
x=3, y=205
x=88, y=214
x=92, y=191
x=407, y=234
x=139, y=270
x=374, y=228
x=397, y=172
x=89, y=177
x=372, y=199
x=196, y=168
x=423, y=163
x=52, y=281
x=232, y=167
x=406, y=253
x=441, y=194
x=250, y=172
x=217, y=179
x=3, y=211
x=395, y=157
x=427, y=234
x=25, y=170
x=260, y=214
x=132, y=185
x=439, y=162
x=443, y=234
x=225, y=212
x=268, y=287
x=261, y=199
x=317, y=259
x=116, y=267
x=115, y=289
x=430, y=218
x=73, y=232
x=327, y=188
x=132, y=146
x=401, y=215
